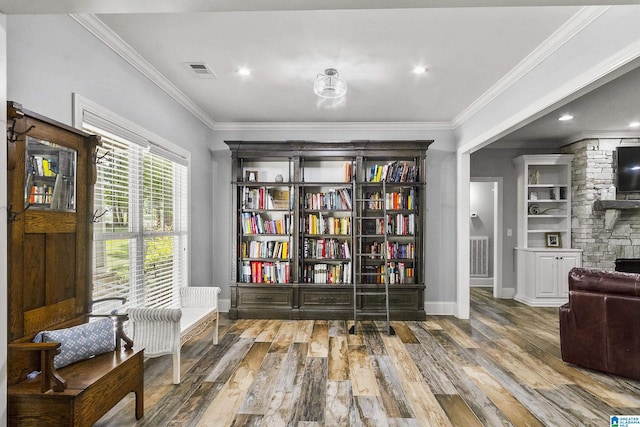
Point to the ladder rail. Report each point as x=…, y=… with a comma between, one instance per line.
x=358, y=214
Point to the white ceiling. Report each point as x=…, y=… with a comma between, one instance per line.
x=285, y=43
x=465, y=50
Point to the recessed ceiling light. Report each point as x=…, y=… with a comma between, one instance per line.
x=244, y=71
x=419, y=70
x=565, y=117
x=634, y=124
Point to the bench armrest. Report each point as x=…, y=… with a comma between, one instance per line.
x=199, y=296
x=157, y=330
x=49, y=377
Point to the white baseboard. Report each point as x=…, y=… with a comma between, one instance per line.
x=480, y=281
x=440, y=308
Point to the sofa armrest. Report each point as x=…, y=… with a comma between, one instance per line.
x=199, y=296
x=157, y=330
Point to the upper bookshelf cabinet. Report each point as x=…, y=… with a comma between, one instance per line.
x=544, y=200
x=314, y=193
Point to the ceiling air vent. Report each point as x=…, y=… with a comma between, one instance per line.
x=201, y=70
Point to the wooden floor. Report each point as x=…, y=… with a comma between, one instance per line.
x=502, y=367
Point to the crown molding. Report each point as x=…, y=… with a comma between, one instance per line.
x=573, y=26
x=328, y=126
x=96, y=27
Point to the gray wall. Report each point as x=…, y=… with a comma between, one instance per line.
x=51, y=56
x=440, y=244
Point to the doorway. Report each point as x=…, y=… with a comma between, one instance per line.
x=485, y=233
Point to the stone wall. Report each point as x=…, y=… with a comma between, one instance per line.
x=593, y=170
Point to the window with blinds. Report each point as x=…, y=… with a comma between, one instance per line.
x=141, y=210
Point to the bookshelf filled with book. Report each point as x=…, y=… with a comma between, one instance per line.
x=312, y=218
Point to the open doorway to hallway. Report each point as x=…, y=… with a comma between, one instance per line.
x=485, y=232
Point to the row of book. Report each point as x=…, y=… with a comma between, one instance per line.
x=393, y=172
x=266, y=198
x=326, y=249
x=265, y=272
x=59, y=196
x=42, y=166
x=403, y=199
x=339, y=198
x=327, y=273
x=398, y=273
x=320, y=224
x=256, y=223
x=398, y=225
x=40, y=194
x=268, y=249
x=397, y=250
x=394, y=250
x=401, y=225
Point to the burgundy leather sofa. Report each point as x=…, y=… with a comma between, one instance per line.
x=600, y=325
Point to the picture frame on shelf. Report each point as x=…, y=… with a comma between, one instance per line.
x=553, y=240
x=251, y=176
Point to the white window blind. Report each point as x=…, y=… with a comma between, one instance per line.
x=140, y=201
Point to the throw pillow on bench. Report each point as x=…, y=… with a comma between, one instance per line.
x=80, y=342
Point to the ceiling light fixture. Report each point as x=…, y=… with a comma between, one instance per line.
x=565, y=117
x=244, y=71
x=419, y=70
x=329, y=84
x=634, y=124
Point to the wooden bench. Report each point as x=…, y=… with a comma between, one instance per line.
x=77, y=394
x=162, y=331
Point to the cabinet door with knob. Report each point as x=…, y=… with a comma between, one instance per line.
x=543, y=276
x=552, y=270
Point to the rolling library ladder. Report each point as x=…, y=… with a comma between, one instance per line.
x=371, y=226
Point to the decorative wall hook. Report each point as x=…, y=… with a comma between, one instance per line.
x=98, y=158
x=13, y=216
x=13, y=134
x=96, y=216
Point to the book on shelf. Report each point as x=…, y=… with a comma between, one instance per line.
x=393, y=172
x=265, y=272
x=322, y=273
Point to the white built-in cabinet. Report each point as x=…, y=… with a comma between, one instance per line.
x=544, y=253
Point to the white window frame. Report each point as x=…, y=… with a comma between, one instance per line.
x=82, y=105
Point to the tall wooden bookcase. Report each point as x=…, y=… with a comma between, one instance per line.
x=51, y=172
x=315, y=220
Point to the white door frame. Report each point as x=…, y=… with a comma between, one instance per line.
x=497, y=231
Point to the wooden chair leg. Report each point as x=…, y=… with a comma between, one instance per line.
x=139, y=401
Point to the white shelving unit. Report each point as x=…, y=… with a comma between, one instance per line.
x=544, y=253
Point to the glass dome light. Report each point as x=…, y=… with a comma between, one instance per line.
x=329, y=84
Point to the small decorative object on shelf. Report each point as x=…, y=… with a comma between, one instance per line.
x=553, y=240
x=279, y=178
x=251, y=176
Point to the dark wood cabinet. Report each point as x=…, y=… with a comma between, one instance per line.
x=319, y=224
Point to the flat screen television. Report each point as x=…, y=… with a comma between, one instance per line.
x=628, y=169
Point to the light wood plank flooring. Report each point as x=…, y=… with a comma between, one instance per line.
x=502, y=367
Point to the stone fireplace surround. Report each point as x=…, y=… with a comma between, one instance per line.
x=593, y=169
